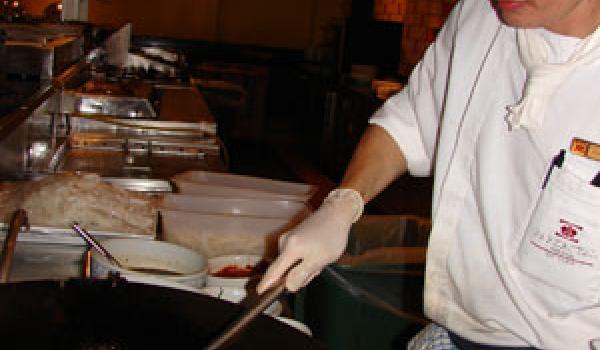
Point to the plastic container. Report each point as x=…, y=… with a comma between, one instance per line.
x=235, y=206
x=372, y=297
x=215, y=264
x=214, y=235
x=247, y=186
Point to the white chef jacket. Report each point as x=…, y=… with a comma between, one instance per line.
x=508, y=263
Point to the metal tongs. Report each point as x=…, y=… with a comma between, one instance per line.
x=18, y=220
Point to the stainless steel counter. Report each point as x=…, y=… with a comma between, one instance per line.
x=130, y=138
x=165, y=130
x=43, y=261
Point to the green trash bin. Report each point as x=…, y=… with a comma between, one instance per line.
x=371, y=298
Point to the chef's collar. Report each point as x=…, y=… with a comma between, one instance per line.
x=544, y=77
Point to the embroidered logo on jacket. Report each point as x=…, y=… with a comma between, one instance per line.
x=568, y=231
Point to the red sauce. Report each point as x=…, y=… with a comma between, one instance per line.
x=234, y=271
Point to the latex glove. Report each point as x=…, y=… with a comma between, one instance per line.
x=316, y=242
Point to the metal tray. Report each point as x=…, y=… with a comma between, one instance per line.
x=54, y=235
x=115, y=156
x=142, y=185
x=119, y=106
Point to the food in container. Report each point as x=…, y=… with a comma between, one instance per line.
x=152, y=262
x=214, y=235
x=59, y=200
x=233, y=270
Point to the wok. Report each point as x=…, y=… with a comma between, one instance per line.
x=117, y=314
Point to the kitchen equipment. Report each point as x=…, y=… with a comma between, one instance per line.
x=240, y=324
x=41, y=51
x=214, y=235
x=64, y=236
x=236, y=295
x=263, y=187
x=96, y=245
x=218, y=277
x=124, y=107
x=235, y=206
x=151, y=262
x=117, y=314
x=123, y=155
x=19, y=219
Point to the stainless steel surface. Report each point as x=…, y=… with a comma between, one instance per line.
x=96, y=245
x=17, y=136
x=44, y=261
x=120, y=106
x=91, y=122
x=167, y=108
x=62, y=236
x=121, y=156
x=47, y=134
x=19, y=219
x=142, y=185
x=31, y=51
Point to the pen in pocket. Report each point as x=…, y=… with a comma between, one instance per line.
x=557, y=161
x=596, y=180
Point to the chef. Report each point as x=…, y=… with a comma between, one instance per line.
x=504, y=111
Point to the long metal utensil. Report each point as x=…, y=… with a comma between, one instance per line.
x=10, y=241
x=95, y=244
x=236, y=328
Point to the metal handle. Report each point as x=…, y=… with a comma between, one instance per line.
x=235, y=329
x=94, y=244
x=10, y=241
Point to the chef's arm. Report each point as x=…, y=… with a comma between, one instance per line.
x=376, y=162
x=321, y=238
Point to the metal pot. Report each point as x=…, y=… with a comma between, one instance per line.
x=116, y=314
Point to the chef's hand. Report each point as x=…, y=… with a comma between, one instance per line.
x=316, y=242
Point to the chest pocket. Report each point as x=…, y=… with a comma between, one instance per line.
x=559, y=254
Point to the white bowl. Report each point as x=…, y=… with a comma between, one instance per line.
x=236, y=294
x=217, y=263
x=190, y=267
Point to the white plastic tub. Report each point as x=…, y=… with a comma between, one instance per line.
x=214, y=235
x=268, y=208
x=201, y=182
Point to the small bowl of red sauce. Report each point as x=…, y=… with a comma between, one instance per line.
x=233, y=270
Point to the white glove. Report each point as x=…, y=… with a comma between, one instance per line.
x=316, y=242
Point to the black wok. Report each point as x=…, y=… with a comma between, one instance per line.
x=116, y=314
